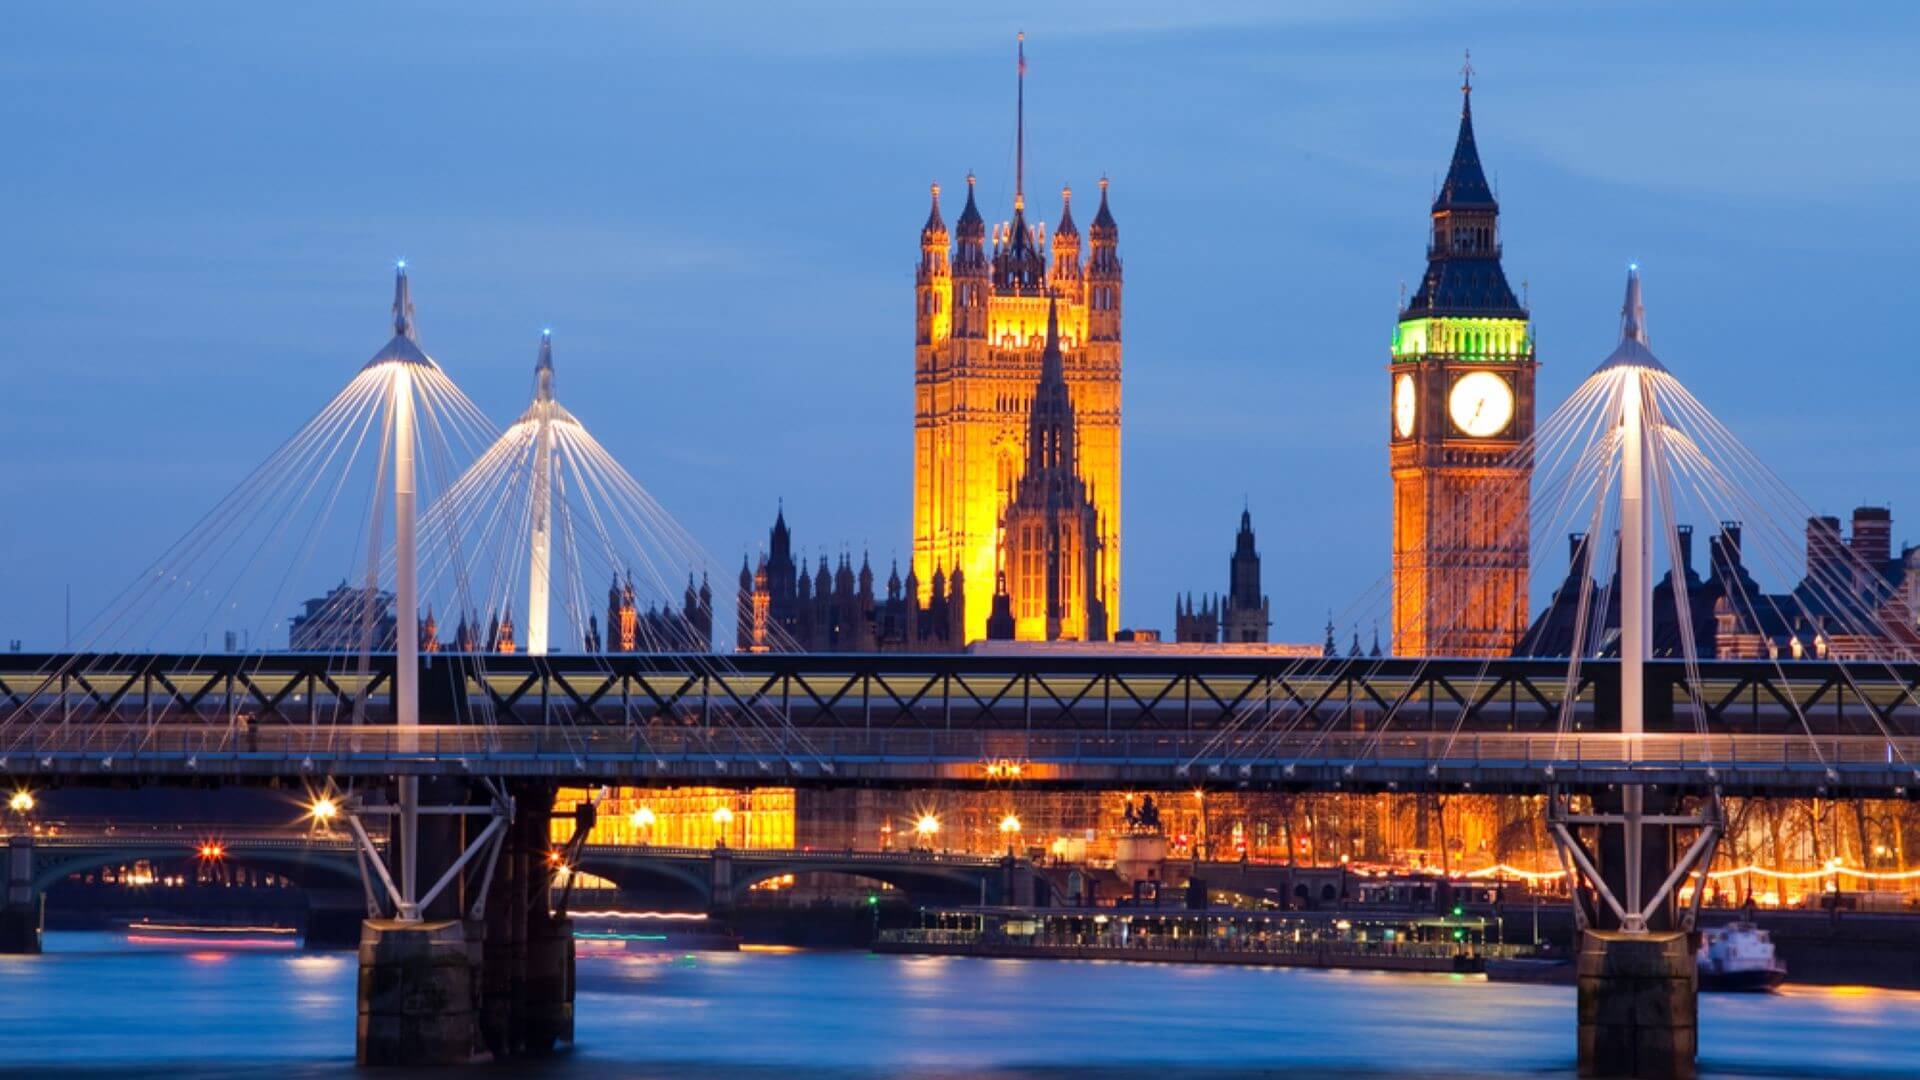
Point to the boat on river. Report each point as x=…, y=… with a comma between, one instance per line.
x=201, y=933
x=1544, y=964
x=1739, y=957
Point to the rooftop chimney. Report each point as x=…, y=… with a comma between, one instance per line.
x=1725, y=551
x=1824, y=548
x=1873, y=535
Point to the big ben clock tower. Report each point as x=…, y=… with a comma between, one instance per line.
x=1460, y=421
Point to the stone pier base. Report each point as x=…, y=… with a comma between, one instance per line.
x=20, y=929
x=549, y=984
x=21, y=905
x=1639, y=1006
x=417, y=994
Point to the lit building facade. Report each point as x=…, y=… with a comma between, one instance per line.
x=980, y=319
x=700, y=817
x=1460, y=417
x=1050, y=581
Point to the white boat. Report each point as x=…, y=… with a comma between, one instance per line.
x=1739, y=957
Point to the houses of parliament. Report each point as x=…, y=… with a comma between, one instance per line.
x=1009, y=347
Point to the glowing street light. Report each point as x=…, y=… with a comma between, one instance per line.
x=212, y=850
x=641, y=818
x=324, y=809
x=926, y=829
x=1010, y=828
x=22, y=802
x=722, y=818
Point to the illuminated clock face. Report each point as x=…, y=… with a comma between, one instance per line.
x=1481, y=404
x=1403, y=405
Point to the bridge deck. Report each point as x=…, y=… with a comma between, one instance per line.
x=1108, y=720
x=940, y=758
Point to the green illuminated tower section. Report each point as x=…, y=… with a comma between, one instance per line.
x=1460, y=408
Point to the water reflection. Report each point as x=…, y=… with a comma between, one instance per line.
x=96, y=1004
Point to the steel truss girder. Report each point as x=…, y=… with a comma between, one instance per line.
x=1636, y=908
x=408, y=908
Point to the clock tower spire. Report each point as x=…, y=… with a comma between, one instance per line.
x=1460, y=381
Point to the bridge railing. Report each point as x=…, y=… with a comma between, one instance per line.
x=475, y=748
x=816, y=693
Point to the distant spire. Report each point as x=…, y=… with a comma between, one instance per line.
x=1050, y=425
x=936, y=225
x=1020, y=127
x=402, y=302
x=971, y=224
x=1103, y=223
x=1066, y=226
x=1466, y=183
x=1051, y=362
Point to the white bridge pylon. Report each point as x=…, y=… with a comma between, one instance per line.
x=539, y=563
x=546, y=515
x=1629, y=381
x=408, y=371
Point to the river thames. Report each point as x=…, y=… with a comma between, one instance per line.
x=95, y=1003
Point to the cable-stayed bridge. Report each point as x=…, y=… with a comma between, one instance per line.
x=450, y=753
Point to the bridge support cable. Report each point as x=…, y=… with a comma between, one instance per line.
x=548, y=512
x=1843, y=606
x=1571, y=442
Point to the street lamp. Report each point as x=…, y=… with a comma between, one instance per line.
x=722, y=817
x=642, y=819
x=1204, y=843
x=22, y=802
x=926, y=829
x=1010, y=828
x=324, y=809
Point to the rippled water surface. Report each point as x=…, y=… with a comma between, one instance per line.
x=94, y=1003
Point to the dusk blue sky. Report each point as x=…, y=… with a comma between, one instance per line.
x=716, y=209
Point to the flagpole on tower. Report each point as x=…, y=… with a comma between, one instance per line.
x=1020, y=126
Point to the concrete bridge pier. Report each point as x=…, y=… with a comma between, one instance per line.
x=22, y=914
x=526, y=952
x=1638, y=1005
x=419, y=992
x=549, y=961
x=1638, y=1012
x=720, y=883
x=1020, y=886
x=503, y=969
